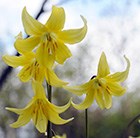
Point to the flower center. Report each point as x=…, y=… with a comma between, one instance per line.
x=39, y=105
x=100, y=82
x=34, y=70
x=50, y=42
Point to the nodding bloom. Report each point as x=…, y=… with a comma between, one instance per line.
x=101, y=87
x=31, y=69
x=57, y=136
x=49, y=39
x=39, y=110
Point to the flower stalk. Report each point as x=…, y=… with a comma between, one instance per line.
x=126, y=134
x=49, y=91
x=86, y=121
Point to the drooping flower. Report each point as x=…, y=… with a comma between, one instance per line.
x=101, y=87
x=31, y=69
x=39, y=110
x=49, y=39
x=57, y=136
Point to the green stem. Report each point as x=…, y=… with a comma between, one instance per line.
x=86, y=121
x=129, y=125
x=49, y=91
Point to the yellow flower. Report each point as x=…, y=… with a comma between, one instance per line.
x=101, y=87
x=49, y=39
x=40, y=110
x=57, y=136
x=31, y=69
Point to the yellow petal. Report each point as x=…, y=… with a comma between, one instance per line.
x=38, y=72
x=20, y=111
x=53, y=80
x=40, y=121
x=56, y=20
x=26, y=45
x=79, y=90
x=15, y=61
x=107, y=99
x=56, y=119
x=64, y=136
x=23, y=119
x=57, y=136
x=73, y=36
x=87, y=101
x=43, y=57
x=115, y=89
x=100, y=98
x=15, y=110
x=60, y=109
x=120, y=76
x=38, y=89
x=25, y=73
x=32, y=26
x=62, y=53
x=103, y=68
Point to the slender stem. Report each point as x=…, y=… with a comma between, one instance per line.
x=86, y=120
x=53, y=133
x=49, y=91
x=129, y=125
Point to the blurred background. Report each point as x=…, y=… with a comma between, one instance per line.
x=113, y=27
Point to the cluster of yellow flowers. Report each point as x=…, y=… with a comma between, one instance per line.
x=39, y=52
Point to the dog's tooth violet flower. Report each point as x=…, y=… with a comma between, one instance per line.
x=31, y=69
x=49, y=39
x=39, y=110
x=101, y=87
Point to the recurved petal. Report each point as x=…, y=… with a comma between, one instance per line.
x=43, y=57
x=103, y=68
x=40, y=121
x=25, y=73
x=20, y=111
x=56, y=119
x=79, y=90
x=15, y=110
x=62, y=53
x=53, y=80
x=23, y=119
x=32, y=26
x=26, y=45
x=60, y=109
x=115, y=89
x=73, y=36
x=56, y=20
x=120, y=76
x=87, y=101
x=15, y=61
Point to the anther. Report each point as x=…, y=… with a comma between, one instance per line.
x=49, y=38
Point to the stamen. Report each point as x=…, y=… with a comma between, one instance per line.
x=49, y=50
x=49, y=37
x=55, y=44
